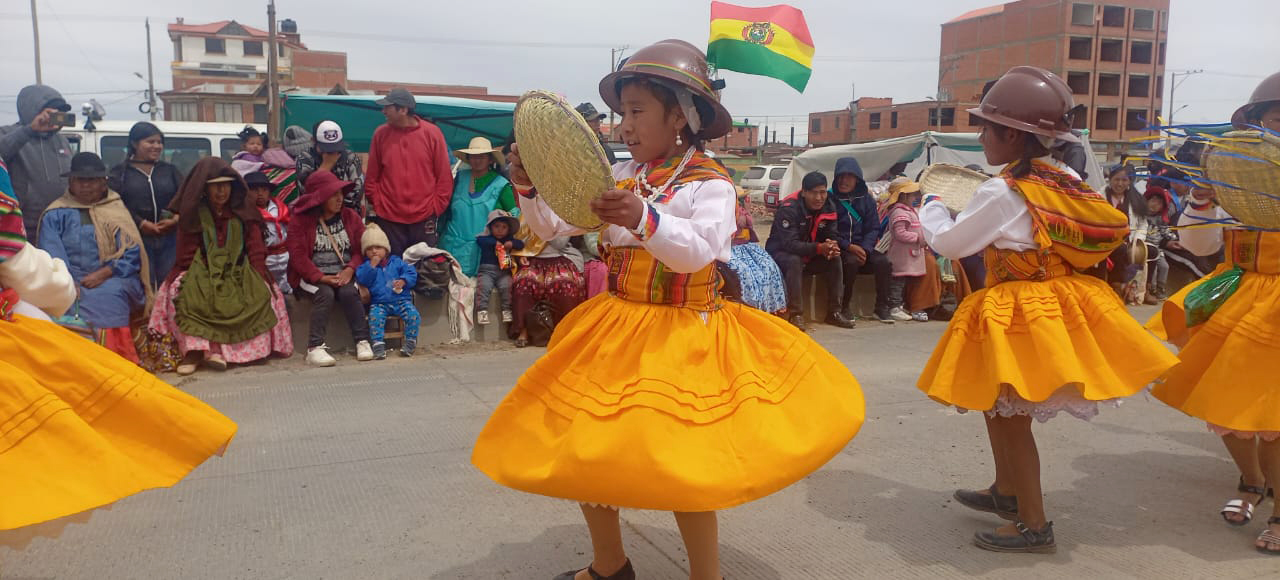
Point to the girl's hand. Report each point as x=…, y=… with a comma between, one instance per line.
x=619, y=207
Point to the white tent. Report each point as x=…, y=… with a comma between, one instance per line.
x=918, y=151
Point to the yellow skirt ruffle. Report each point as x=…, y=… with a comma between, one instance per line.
x=81, y=427
x=651, y=407
x=1228, y=374
x=1038, y=337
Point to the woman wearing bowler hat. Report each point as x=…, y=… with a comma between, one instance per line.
x=1043, y=337
x=658, y=394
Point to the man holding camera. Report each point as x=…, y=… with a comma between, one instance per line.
x=36, y=153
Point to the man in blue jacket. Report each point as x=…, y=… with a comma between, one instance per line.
x=859, y=226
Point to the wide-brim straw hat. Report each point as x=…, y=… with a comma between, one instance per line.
x=1244, y=169
x=562, y=156
x=955, y=185
x=481, y=146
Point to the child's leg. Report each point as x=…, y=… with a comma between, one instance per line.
x=504, y=290
x=378, y=323
x=485, y=280
x=897, y=286
x=408, y=314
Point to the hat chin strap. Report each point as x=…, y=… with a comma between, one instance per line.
x=684, y=98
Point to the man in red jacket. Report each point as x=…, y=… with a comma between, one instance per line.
x=408, y=180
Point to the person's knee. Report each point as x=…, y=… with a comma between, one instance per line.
x=787, y=262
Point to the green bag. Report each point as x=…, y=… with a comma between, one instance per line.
x=1208, y=297
x=222, y=298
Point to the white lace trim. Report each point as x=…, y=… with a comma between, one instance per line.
x=1223, y=431
x=1067, y=399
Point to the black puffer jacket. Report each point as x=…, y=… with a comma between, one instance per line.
x=797, y=230
x=145, y=197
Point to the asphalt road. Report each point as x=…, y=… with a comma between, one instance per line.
x=362, y=471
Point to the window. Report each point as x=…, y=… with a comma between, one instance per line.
x=1112, y=50
x=1144, y=19
x=1106, y=120
x=1109, y=85
x=1081, y=48
x=1113, y=16
x=740, y=129
x=260, y=113
x=177, y=50
x=253, y=48
x=1164, y=21
x=215, y=46
x=975, y=121
x=1162, y=45
x=184, y=112
x=815, y=126
x=837, y=122
x=1160, y=87
x=1140, y=53
x=1135, y=120
x=1139, y=86
x=228, y=113
x=1081, y=14
x=893, y=120
x=756, y=172
x=1081, y=119
x=875, y=120
x=1079, y=82
x=777, y=173
x=948, y=116
x=183, y=152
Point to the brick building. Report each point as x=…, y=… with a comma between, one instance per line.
x=831, y=127
x=220, y=73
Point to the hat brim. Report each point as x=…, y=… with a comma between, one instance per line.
x=86, y=173
x=221, y=179
x=498, y=157
x=383, y=102
x=338, y=147
x=1011, y=123
x=721, y=122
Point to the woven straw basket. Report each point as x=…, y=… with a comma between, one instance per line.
x=562, y=156
x=1248, y=163
x=955, y=185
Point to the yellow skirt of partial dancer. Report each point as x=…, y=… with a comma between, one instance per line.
x=649, y=406
x=1037, y=337
x=81, y=427
x=1228, y=374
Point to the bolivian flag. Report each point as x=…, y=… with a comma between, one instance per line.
x=772, y=41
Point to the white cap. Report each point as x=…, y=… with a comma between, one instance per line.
x=329, y=137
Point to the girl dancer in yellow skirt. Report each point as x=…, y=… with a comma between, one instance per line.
x=1043, y=337
x=657, y=394
x=80, y=427
x=1227, y=376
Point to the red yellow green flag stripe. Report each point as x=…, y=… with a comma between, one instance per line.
x=772, y=41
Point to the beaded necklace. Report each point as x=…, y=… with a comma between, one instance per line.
x=642, y=182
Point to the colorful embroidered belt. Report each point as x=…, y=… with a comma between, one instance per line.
x=1254, y=251
x=635, y=275
x=1028, y=265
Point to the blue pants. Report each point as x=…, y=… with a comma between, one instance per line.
x=403, y=309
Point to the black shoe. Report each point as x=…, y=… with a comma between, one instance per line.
x=625, y=573
x=1005, y=506
x=848, y=313
x=1029, y=540
x=882, y=314
x=839, y=319
x=797, y=320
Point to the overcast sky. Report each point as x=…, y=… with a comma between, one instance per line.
x=91, y=48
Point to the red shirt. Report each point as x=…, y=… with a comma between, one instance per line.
x=408, y=179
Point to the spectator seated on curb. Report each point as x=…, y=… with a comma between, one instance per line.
x=804, y=241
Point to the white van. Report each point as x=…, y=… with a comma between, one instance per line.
x=184, y=143
x=757, y=178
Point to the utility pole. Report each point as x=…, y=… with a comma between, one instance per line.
x=35, y=33
x=615, y=56
x=151, y=79
x=273, y=82
x=1173, y=86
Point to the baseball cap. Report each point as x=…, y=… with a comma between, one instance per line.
x=329, y=138
x=400, y=97
x=589, y=112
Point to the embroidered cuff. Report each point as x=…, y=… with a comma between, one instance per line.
x=929, y=198
x=528, y=192
x=648, y=224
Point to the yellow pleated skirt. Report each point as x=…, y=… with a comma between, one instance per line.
x=657, y=407
x=1229, y=373
x=81, y=427
x=1034, y=338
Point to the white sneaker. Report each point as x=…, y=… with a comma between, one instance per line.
x=482, y=317
x=921, y=316
x=506, y=316
x=319, y=356
x=364, y=351
x=899, y=314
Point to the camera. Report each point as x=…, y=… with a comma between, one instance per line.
x=63, y=119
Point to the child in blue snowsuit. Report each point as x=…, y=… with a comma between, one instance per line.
x=390, y=282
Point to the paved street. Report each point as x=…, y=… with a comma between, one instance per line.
x=363, y=472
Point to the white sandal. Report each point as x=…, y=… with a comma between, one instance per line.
x=1242, y=507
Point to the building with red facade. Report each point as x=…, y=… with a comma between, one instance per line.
x=220, y=73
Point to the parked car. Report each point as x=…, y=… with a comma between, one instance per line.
x=772, y=197
x=757, y=178
x=185, y=143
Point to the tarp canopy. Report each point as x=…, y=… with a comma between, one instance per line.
x=459, y=119
x=917, y=151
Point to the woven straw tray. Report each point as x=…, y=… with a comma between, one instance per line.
x=955, y=185
x=1244, y=167
x=562, y=156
